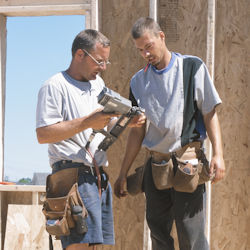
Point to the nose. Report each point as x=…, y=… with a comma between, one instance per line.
x=146, y=54
x=103, y=67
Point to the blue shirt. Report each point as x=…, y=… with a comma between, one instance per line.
x=174, y=99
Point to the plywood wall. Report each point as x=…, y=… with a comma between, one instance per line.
x=231, y=198
x=7, y=198
x=117, y=17
x=185, y=24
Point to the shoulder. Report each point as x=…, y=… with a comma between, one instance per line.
x=191, y=64
x=54, y=84
x=192, y=60
x=139, y=76
x=55, y=80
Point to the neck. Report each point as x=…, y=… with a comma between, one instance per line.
x=75, y=75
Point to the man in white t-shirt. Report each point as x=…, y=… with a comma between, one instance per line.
x=67, y=113
x=179, y=100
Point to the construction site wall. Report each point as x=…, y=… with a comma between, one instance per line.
x=116, y=19
x=185, y=25
x=230, y=227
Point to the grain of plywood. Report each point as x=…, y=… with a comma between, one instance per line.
x=185, y=25
x=25, y=229
x=117, y=18
x=230, y=228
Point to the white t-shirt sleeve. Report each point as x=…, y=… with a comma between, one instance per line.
x=206, y=95
x=49, y=106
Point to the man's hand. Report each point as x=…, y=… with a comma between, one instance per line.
x=99, y=119
x=217, y=167
x=138, y=121
x=119, y=187
x=66, y=129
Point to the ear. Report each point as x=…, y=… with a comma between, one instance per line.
x=79, y=54
x=162, y=35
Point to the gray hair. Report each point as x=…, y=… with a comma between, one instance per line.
x=145, y=24
x=87, y=39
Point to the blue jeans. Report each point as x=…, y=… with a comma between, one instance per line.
x=165, y=206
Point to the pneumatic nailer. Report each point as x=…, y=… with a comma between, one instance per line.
x=114, y=102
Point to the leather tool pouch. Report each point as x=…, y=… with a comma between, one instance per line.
x=163, y=174
x=62, y=197
x=135, y=181
x=186, y=177
x=175, y=172
x=203, y=168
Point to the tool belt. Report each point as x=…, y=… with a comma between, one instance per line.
x=63, y=207
x=182, y=170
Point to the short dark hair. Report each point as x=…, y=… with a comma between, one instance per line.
x=145, y=24
x=87, y=39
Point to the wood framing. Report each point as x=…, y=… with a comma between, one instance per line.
x=153, y=9
x=147, y=243
x=11, y=8
x=39, y=8
x=210, y=65
x=2, y=87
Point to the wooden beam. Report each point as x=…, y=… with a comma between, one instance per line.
x=2, y=89
x=44, y=10
x=22, y=188
x=94, y=15
x=210, y=65
x=41, y=2
x=35, y=198
x=147, y=243
x=153, y=9
x=87, y=20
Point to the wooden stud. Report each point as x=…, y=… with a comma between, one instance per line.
x=210, y=65
x=40, y=10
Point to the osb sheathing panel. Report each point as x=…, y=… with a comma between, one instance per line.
x=117, y=17
x=116, y=22
x=185, y=24
x=230, y=227
x=22, y=230
x=7, y=198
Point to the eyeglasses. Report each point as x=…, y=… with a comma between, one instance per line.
x=101, y=63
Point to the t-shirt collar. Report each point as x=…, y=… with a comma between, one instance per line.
x=161, y=71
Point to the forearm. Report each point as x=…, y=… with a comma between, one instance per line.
x=214, y=132
x=133, y=147
x=61, y=130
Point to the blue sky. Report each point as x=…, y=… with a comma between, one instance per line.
x=37, y=48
